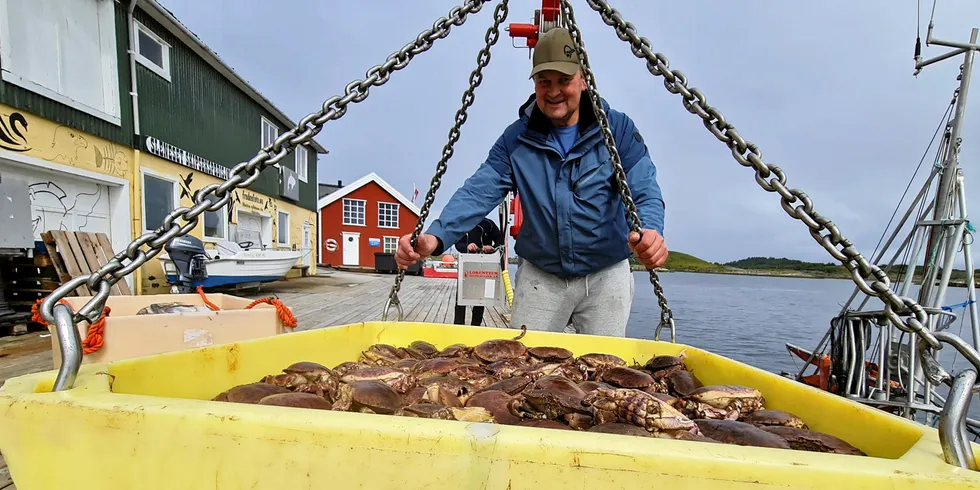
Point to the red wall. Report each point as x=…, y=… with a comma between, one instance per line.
x=332, y=219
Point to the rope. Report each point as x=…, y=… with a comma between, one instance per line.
x=285, y=314
x=214, y=307
x=94, y=336
x=958, y=305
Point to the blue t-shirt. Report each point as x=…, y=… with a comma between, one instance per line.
x=565, y=136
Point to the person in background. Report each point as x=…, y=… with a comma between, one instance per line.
x=484, y=238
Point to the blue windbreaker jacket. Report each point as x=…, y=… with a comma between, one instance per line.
x=574, y=218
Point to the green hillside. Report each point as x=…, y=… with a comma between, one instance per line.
x=682, y=262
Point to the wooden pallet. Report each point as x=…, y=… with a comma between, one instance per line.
x=79, y=253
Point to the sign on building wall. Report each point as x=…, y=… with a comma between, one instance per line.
x=374, y=242
x=289, y=183
x=183, y=157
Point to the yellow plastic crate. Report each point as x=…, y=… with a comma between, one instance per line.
x=147, y=423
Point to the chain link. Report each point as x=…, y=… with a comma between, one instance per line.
x=797, y=204
x=476, y=77
x=633, y=219
x=182, y=220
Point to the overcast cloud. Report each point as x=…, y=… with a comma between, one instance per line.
x=825, y=89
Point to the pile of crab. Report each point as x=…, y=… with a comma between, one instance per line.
x=504, y=381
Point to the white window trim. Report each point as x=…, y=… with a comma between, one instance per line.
x=263, y=121
x=176, y=186
x=385, y=237
x=342, y=219
x=223, y=212
x=111, y=89
x=279, y=223
x=163, y=72
x=306, y=162
x=397, y=212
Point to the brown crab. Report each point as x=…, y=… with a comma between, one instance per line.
x=588, y=364
x=588, y=386
x=740, y=433
x=774, y=417
x=435, y=411
x=579, y=421
x=681, y=382
x=306, y=377
x=559, y=384
x=550, y=404
x=508, y=367
x=371, y=396
x=624, y=377
x=511, y=386
x=499, y=350
x=663, y=366
x=401, y=381
x=638, y=408
x=544, y=424
x=383, y=354
x=456, y=386
x=346, y=367
x=405, y=365
x=722, y=402
x=423, y=349
x=437, y=366
x=808, y=440
x=423, y=410
x=503, y=406
x=550, y=354
x=296, y=400
x=621, y=429
x=437, y=393
x=455, y=350
x=249, y=393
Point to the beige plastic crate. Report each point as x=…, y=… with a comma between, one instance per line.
x=128, y=335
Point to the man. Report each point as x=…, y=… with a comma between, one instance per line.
x=575, y=242
x=482, y=239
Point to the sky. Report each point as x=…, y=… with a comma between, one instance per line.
x=825, y=89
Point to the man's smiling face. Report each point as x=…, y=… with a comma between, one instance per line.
x=558, y=95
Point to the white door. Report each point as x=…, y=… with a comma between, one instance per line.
x=307, y=250
x=352, y=248
x=63, y=202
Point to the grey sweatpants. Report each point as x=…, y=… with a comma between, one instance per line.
x=598, y=304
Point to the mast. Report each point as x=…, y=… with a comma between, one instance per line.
x=945, y=192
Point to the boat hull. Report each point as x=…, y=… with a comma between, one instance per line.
x=161, y=405
x=251, y=267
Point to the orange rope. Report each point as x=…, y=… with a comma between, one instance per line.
x=214, y=307
x=94, y=336
x=285, y=314
x=288, y=320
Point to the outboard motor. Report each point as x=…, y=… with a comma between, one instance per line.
x=189, y=257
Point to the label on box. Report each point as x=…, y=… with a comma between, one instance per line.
x=198, y=337
x=489, y=288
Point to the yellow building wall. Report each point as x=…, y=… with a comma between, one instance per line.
x=151, y=279
x=27, y=134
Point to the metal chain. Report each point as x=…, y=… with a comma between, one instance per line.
x=476, y=77
x=633, y=219
x=821, y=229
x=245, y=173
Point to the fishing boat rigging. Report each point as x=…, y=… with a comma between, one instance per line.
x=913, y=319
x=863, y=356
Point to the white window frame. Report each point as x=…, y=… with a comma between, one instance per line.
x=223, y=213
x=344, y=218
x=174, y=183
x=384, y=243
x=397, y=211
x=264, y=124
x=110, y=84
x=163, y=71
x=279, y=237
x=302, y=164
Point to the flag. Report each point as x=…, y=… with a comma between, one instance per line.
x=415, y=192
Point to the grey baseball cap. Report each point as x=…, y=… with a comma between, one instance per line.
x=555, y=50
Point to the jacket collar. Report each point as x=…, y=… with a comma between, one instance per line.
x=539, y=123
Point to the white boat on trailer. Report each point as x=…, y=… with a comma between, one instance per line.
x=229, y=265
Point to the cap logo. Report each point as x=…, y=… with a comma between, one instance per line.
x=568, y=51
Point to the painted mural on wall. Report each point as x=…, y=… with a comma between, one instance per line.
x=30, y=135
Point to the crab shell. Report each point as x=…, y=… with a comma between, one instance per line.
x=499, y=349
x=370, y=396
x=638, y=408
x=455, y=350
x=437, y=393
x=550, y=354
x=503, y=406
x=681, y=382
x=424, y=348
x=550, y=404
x=621, y=429
x=625, y=377
x=437, y=366
x=729, y=397
x=297, y=400
x=511, y=386
x=544, y=424
x=559, y=384
x=808, y=440
x=740, y=433
x=769, y=417
x=508, y=367
x=383, y=354
x=249, y=393
x=662, y=366
x=401, y=381
x=579, y=421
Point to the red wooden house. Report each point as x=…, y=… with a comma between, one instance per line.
x=360, y=219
